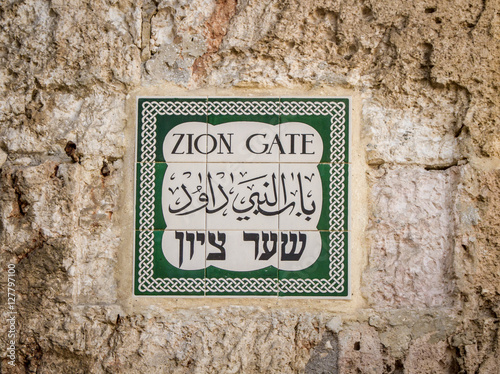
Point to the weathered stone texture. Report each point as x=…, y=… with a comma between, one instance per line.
x=411, y=234
x=428, y=76
x=477, y=254
x=361, y=350
x=70, y=44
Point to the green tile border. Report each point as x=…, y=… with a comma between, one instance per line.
x=303, y=109
x=162, y=269
x=262, y=282
x=330, y=271
x=229, y=109
x=162, y=115
x=148, y=152
x=334, y=213
x=159, y=173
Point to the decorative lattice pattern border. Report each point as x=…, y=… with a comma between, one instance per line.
x=151, y=109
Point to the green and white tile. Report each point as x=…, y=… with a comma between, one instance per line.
x=328, y=117
x=313, y=197
x=242, y=197
x=155, y=275
x=158, y=117
x=148, y=207
x=326, y=277
x=334, y=213
x=184, y=197
x=250, y=125
x=242, y=263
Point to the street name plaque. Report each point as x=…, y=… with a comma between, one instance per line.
x=242, y=197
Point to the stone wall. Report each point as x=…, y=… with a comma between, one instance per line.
x=427, y=81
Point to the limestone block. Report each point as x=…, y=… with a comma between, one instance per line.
x=94, y=123
x=360, y=350
x=183, y=342
x=182, y=38
x=426, y=356
x=477, y=259
x=35, y=206
x=72, y=43
x=3, y=157
x=405, y=137
x=410, y=233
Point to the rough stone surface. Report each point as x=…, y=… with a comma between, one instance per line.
x=427, y=72
x=411, y=234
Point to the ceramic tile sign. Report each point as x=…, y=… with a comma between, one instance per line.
x=242, y=197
